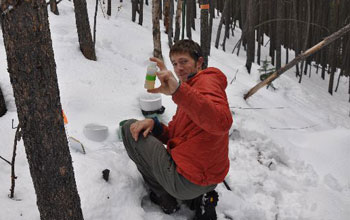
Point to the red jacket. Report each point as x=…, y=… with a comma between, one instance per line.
x=197, y=136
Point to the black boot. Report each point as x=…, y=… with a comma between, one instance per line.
x=205, y=206
x=166, y=202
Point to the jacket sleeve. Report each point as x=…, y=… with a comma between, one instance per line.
x=206, y=103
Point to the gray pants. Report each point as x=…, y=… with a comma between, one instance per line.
x=158, y=168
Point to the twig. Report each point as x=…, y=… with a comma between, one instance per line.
x=258, y=108
x=82, y=146
x=311, y=126
x=234, y=78
x=5, y=160
x=18, y=137
x=227, y=186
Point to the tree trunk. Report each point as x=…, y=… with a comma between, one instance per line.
x=188, y=19
x=171, y=20
x=211, y=16
x=53, y=7
x=84, y=31
x=141, y=12
x=217, y=40
x=331, y=81
x=32, y=70
x=109, y=7
x=178, y=20
x=307, y=29
x=205, y=31
x=250, y=35
x=134, y=9
x=3, y=108
x=157, y=51
x=279, y=32
x=166, y=12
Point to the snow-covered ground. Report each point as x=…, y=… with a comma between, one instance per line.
x=289, y=148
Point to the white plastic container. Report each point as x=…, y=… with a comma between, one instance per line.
x=95, y=132
x=150, y=76
x=150, y=102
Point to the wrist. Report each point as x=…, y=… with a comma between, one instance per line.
x=177, y=88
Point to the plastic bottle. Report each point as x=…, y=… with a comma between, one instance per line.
x=151, y=76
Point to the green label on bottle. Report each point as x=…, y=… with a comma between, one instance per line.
x=151, y=78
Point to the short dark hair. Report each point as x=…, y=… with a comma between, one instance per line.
x=187, y=46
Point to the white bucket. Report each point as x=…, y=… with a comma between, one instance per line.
x=95, y=132
x=150, y=101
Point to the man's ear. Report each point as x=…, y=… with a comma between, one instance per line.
x=200, y=62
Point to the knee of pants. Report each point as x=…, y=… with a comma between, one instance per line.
x=126, y=127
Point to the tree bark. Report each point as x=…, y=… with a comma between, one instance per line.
x=204, y=32
x=32, y=70
x=157, y=51
x=299, y=58
x=3, y=108
x=84, y=31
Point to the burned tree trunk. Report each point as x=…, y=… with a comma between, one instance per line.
x=32, y=70
x=157, y=51
x=84, y=32
x=3, y=108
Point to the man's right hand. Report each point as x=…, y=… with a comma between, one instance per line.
x=145, y=125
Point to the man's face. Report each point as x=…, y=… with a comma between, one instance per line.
x=184, y=65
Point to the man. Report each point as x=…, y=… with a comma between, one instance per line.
x=196, y=157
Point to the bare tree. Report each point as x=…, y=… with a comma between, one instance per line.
x=32, y=70
x=84, y=32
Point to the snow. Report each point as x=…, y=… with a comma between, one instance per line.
x=289, y=148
